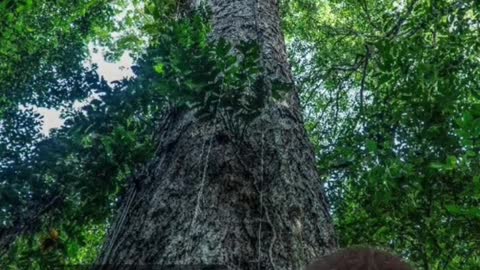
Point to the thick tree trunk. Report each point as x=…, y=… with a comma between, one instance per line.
x=211, y=198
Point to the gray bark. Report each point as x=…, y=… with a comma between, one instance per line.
x=210, y=197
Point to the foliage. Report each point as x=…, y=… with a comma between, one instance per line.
x=193, y=72
x=390, y=91
x=83, y=166
x=42, y=52
x=42, y=46
x=397, y=85
x=78, y=174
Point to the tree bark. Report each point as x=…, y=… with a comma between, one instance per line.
x=209, y=197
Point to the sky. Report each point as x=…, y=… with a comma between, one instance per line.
x=110, y=72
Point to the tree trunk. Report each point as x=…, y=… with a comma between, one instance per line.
x=210, y=198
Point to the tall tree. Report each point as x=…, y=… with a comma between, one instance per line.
x=214, y=196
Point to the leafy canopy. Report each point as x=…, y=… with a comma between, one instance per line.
x=390, y=91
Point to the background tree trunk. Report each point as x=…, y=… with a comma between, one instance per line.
x=210, y=198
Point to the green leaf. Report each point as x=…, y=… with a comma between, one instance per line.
x=371, y=146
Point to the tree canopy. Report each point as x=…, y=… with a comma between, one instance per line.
x=390, y=91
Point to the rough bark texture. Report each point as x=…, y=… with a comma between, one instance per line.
x=210, y=197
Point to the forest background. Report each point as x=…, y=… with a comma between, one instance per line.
x=391, y=97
